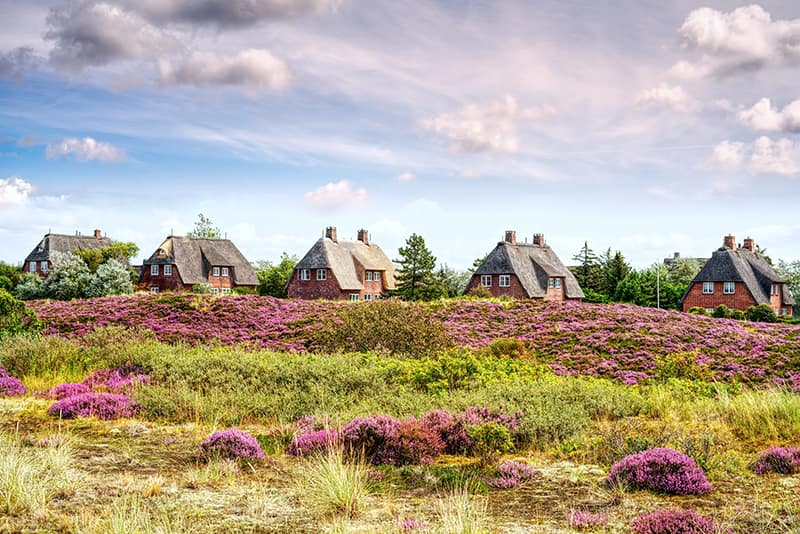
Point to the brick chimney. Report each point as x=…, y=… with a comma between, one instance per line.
x=330, y=233
x=538, y=240
x=749, y=244
x=363, y=236
x=98, y=234
x=511, y=237
x=729, y=242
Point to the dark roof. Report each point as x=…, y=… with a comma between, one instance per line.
x=65, y=243
x=533, y=265
x=342, y=257
x=742, y=265
x=194, y=258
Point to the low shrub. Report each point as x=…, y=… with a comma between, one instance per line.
x=681, y=365
x=662, y=470
x=376, y=438
x=512, y=474
x=721, y=312
x=417, y=443
x=674, y=522
x=10, y=386
x=698, y=310
x=70, y=389
x=14, y=316
x=737, y=314
x=583, y=520
x=761, y=314
x=490, y=440
x=231, y=444
x=314, y=441
x=781, y=460
x=450, y=430
x=117, y=380
x=101, y=405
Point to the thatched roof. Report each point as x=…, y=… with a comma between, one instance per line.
x=533, y=265
x=343, y=259
x=65, y=243
x=194, y=258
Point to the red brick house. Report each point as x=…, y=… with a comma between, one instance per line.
x=39, y=260
x=342, y=270
x=525, y=270
x=180, y=263
x=738, y=277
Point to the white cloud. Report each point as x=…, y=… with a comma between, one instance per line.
x=669, y=96
x=744, y=39
x=764, y=117
x=490, y=128
x=254, y=68
x=84, y=150
x=14, y=191
x=335, y=195
x=763, y=156
x=406, y=177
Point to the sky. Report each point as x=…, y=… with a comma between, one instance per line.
x=646, y=126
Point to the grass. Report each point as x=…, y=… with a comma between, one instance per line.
x=462, y=512
x=767, y=415
x=333, y=486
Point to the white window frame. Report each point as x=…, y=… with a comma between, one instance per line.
x=368, y=276
x=367, y=296
x=558, y=283
x=226, y=291
x=154, y=289
x=708, y=288
x=354, y=297
x=486, y=280
x=168, y=270
x=305, y=274
x=504, y=280
x=225, y=271
x=322, y=274
x=710, y=310
x=32, y=266
x=215, y=271
x=44, y=266
x=726, y=286
x=154, y=270
x=776, y=290
x=215, y=291
x=551, y=283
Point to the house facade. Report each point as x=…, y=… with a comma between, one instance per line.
x=525, y=270
x=738, y=277
x=40, y=261
x=342, y=270
x=181, y=263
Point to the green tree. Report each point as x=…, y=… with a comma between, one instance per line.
x=588, y=272
x=30, y=287
x=615, y=269
x=69, y=278
x=272, y=279
x=111, y=278
x=14, y=316
x=683, y=270
x=416, y=279
x=204, y=228
x=10, y=276
x=790, y=272
x=453, y=281
x=629, y=289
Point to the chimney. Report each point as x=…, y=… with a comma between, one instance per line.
x=511, y=237
x=749, y=244
x=538, y=240
x=729, y=242
x=97, y=233
x=330, y=233
x=363, y=236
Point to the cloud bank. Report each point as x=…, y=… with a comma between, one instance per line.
x=85, y=149
x=335, y=195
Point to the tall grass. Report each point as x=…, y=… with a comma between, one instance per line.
x=132, y=513
x=462, y=512
x=334, y=487
x=766, y=415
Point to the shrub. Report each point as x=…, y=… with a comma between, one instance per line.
x=314, y=441
x=417, y=443
x=673, y=522
x=512, y=474
x=14, y=316
x=120, y=380
x=63, y=391
x=489, y=440
x=761, y=314
x=374, y=437
x=681, y=365
x=231, y=444
x=781, y=460
x=698, y=310
x=721, y=312
x=101, y=405
x=583, y=520
x=450, y=430
x=737, y=314
x=662, y=470
x=10, y=386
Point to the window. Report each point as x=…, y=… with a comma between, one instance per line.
x=154, y=270
x=708, y=288
x=44, y=266
x=367, y=297
x=505, y=280
x=225, y=271
x=322, y=274
x=486, y=280
x=353, y=297
x=776, y=290
x=154, y=289
x=32, y=267
x=551, y=283
x=168, y=270
x=215, y=271
x=558, y=283
x=710, y=310
x=215, y=291
x=305, y=274
x=729, y=288
x=226, y=291
x=369, y=276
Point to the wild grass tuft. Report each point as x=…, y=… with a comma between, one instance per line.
x=460, y=511
x=761, y=415
x=132, y=513
x=334, y=487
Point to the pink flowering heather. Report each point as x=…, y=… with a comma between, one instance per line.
x=10, y=386
x=413, y=524
x=511, y=474
x=418, y=444
x=313, y=441
x=673, y=522
x=374, y=437
x=231, y=444
x=781, y=460
x=450, y=429
x=662, y=470
x=121, y=380
x=583, y=520
x=100, y=405
x=63, y=391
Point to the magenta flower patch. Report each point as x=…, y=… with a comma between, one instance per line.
x=101, y=405
x=10, y=386
x=661, y=470
x=511, y=474
x=231, y=444
x=673, y=522
x=781, y=460
x=313, y=441
x=583, y=520
x=62, y=391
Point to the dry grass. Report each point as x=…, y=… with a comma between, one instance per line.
x=460, y=511
x=333, y=486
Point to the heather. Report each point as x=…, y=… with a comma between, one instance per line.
x=10, y=386
x=101, y=405
x=231, y=444
x=674, y=522
x=662, y=470
x=781, y=460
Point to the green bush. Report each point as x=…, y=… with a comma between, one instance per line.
x=490, y=440
x=721, y=312
x=681, y=365
x=761, y=314
x=737, y=314
x=697, y=310
x=14, y=316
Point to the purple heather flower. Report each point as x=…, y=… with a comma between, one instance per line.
x=313, y=441
x=663, y=470
x=413, y=524
x=231, y=444
x=11, y=386
x=781, y=460
x=62, y=391
x=583, y=520
x=100, y=405
x=674, y=522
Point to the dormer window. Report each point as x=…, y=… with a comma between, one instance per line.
x=776, y=289
x=154, y=270
x=215, y=271
x=225, y=271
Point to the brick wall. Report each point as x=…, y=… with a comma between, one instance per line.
x=555, y=293
x=26, y=268
x=315, y=289
x=221, y=281
x=515, y=290
x=740, y=300
x=162, y=282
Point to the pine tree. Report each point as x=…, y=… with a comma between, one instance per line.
x=589, y=270
x=416, y=279
x=615, y=269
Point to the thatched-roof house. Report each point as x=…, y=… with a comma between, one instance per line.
x=40, y=259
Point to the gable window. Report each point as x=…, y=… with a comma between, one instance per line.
x=168, y=270
x=44, y=266
x=32, y=267
x=558, y=283
x=154, y=270
x=226, y=291
x=729, y=288
x=305, y=274
x=551, y=283
x=776, y=290
x=708, y=288
x=215, y=271
x=322, y=274
x=225, y=271
x=486, y=280
x=154, y=289
x=353, y=297
x=504, y=280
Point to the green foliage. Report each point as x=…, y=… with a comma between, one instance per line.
x=790, y=272
x=589, y=271
x=721, y=312
x=204, y=228
x=71, y=278
x=203, y=288
x=111, y=278
x=119, y=251
x=615, y=269
x=592, y=296
x=244, y=290
x=480, y=292
x=698, y=310
x=387, y=325
x=31, y=286
x=682, y=271
x=761, y=314
x=737, y=314
x=68, y=279
x=681, y=365
x=629, y=289
x=415, y=277
x=10, y=276
x=489, y=440
x=453, y=281
x=14, y=316
x=273, y=279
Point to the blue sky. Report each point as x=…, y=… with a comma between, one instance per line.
x=646, y=126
